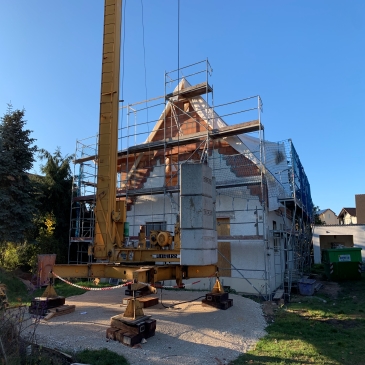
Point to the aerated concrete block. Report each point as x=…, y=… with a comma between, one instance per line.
x=195, y=179
x=198, y=257
x=198, y=239
x=214, y=191
x=196, y=212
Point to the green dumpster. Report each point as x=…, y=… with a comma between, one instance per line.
x=342, y=263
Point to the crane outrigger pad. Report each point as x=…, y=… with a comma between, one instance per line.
x=130, y=331
x=40, y=305
x=218, y=298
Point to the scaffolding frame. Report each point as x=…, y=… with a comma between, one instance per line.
x=189, y=130
x=82, y=218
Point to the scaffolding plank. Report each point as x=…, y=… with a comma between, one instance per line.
x=84, y=198
x=84, y=159
x=170, y=189
x=192, y=91
x=233, y=130
x=81, y=239
x=227, y=131
x=175, y=189
x=240, y=238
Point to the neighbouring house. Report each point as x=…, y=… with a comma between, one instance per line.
x=347, y=216
x=327, y=216
x=263, y=204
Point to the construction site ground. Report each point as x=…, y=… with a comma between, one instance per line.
x=188, y=333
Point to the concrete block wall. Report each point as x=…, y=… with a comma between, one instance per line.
x=198, y=237
x=238, y=284
x=196, y=180
x=150, y=208
x=221, y=170
x=249, y=256
x=243, y=218
x=196, y=212
x=157, y=177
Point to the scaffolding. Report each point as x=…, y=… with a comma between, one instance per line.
x=298, y=206
x=255, y=179
x=83, y=202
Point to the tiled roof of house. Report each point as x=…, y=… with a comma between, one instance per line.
x=325, y=210
x=351, y=211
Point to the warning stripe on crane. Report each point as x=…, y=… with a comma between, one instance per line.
x=86, y=288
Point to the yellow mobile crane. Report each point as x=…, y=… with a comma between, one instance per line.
x=119, y=261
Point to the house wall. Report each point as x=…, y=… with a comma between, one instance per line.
x=329, y=217
x=260, y=263
x=242, y=213
x=276, y=245
x=257, y=265
x=340, y=233
x=253, y=269
x=349, y=219
x=360, y=208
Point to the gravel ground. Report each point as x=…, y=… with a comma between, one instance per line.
x=191, y=333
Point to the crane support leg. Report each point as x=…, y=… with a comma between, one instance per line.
x=144, y=274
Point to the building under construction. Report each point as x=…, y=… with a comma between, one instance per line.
x=262, y=206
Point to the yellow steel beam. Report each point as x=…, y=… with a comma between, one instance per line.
x=105, y=226
x=149, y=274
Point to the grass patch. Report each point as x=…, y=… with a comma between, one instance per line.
x=15, y=289
x=66, y=290
x=100, y=357
x=17, y=292
x=310, y=331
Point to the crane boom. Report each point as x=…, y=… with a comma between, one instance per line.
x=124, y=261
x=110, y=214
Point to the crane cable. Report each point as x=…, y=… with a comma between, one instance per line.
x=122, y=81
x=144, y=60
x=123, y=43
x=146, y=93
x=178, y=42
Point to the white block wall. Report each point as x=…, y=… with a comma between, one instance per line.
x=255, y=259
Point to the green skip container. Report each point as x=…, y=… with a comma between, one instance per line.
x=342, y=263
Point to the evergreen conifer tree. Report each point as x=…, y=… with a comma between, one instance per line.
x=17, y=190
x=55, y=200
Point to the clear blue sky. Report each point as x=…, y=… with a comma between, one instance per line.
x=305, y=58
